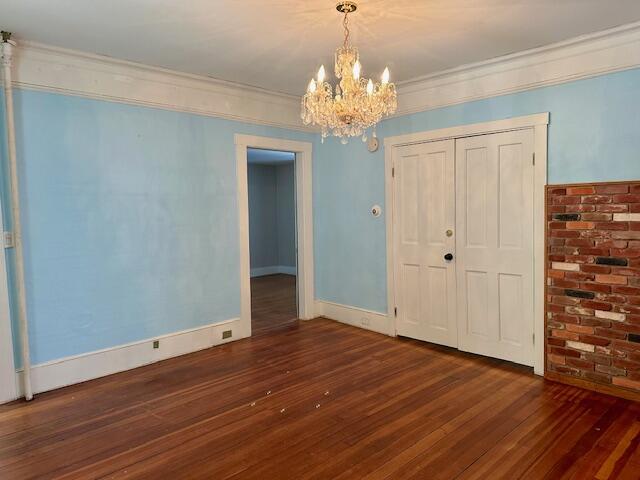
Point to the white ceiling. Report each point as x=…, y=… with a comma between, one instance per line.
x=279, y=44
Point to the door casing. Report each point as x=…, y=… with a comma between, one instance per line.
x=539, y=123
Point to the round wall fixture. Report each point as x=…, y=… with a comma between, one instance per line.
x=372, y=144
x=376, y=210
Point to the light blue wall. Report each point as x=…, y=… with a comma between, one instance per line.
x=594, y=135
x=286, y=213
x=263, y=217
x=271, y=215
x=130, y=220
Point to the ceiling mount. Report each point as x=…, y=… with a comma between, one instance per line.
x=346, y=6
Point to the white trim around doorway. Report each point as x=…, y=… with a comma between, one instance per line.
x=539, y=124
x=304, y=222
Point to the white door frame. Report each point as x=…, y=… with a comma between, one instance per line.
x=538, y=123
x=304, y=222
x=8, y=386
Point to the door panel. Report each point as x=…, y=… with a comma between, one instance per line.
x=494, y=264
x=424, y=209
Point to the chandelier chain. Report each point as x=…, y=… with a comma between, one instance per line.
x=345, y=24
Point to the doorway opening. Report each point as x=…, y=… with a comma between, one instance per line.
x=271, y=184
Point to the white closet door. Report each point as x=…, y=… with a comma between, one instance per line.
x=494, y=246
x=424, y=210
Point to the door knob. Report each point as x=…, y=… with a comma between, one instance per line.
x=448, y=257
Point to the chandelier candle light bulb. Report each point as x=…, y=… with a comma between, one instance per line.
x=358, y=103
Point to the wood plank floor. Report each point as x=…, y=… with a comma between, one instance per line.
x=273, y=303
x=321, y=400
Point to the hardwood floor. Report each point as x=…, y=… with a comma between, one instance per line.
x=322, y=400
x=273, y=303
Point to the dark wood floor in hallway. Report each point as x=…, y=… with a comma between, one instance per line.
x=273, y=303
x=322, y=400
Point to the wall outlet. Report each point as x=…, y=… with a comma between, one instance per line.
x=156, y=344
x=364, y=321
x=226, y=334
x=7, y=240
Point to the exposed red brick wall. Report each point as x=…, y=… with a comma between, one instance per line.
x=593, y=283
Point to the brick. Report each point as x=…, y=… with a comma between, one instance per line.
x=580, y=225
x=579, y=259
x=596, y=199
x=624, y=235
x=628, y=272
x=551, y=190
x=609, y=333
x=634, y=188
x=610, y=370
x=593, y=251
x=626, y=217
x=626, y=364
x=612, y=225
x=622, y=188
x=579, y=363
x=611, y=279
x=579, y=242
x=564, y=352
x=559, y=359
x=634, y=226
x=555, y=208
x=555, y=308
x=612, y=208
x=626, y=252
x=595, y=322
x=615, y=316
x=573, y=267
x=579, y=293
x=562, y=283
x=565, y=370
x=584, y=347
x=561, y=317
x=634, y=337
x=626, y=383
x=626, y=290
x=558, y=342
x=595, y=305
x=564, y=334
x=596, y=269
x=561, y=300
x=627, y=309
x=566, y=217
x=611, y=243
x=603, y=297
x=596, y=217
x=597, y=377
x=581, y=190
x=579, y=311
x=565, y=233
x=580, y=329
x=595, y=287
x=593, y=340
x=612, y=261
x=580, y=276
x=557, y=225
x=552, y=242
x=567, y=200
x=634, y=208
x=599, y=359
x=626, y=198
x=555, y=274
x=578, y=208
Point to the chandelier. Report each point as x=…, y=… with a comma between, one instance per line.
x=358, y=103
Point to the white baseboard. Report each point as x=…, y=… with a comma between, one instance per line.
x=262, y=271
x=88, y=366
x=357, y=317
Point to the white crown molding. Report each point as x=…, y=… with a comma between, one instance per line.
x=88, y=366
x=70, y=72
x=582, y=57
